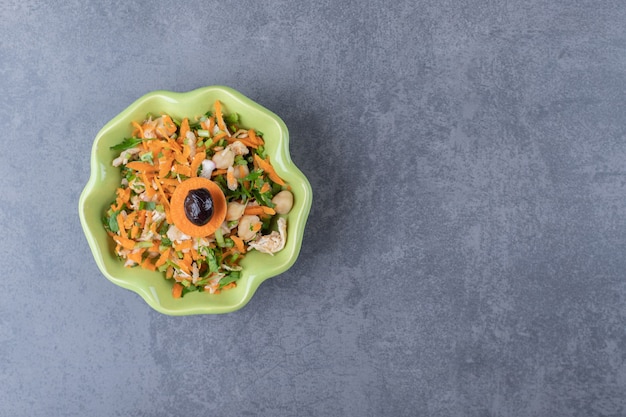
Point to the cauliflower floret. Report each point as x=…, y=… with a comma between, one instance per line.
x=174, y=233
x=224, y=158
x=239, y=148
x=125, y=156
x=273, y=242
x=207, y=168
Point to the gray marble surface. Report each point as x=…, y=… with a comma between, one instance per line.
x=466, y=249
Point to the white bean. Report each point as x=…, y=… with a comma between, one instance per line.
x=246, y=225
x=234, y=211
x=241, y=171
x=283, y=202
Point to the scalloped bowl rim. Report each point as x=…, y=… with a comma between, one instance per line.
x=152, y=286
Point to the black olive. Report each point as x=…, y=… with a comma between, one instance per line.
x=199, y=206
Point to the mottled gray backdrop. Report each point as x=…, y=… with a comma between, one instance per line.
x=465, y=253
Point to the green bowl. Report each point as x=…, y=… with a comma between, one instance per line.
x=100, y=192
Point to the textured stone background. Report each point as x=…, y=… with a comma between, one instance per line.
x=465, y=250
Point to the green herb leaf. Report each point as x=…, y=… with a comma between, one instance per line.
x=231, y=277
x=213, y=266
x=113, y=226
x=147, y=205
x=127, y=143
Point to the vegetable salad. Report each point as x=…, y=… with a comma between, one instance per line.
x=163, y=153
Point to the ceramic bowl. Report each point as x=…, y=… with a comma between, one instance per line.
x=100, y=192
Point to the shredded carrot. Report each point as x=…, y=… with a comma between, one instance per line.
x=125, y=242
x=150, y=192
x=181, y=158
x=147, y=264
x=231, y=181
x=153, y=229
x=219, y=136
x=123, y=197
x=182, y=170
x=184, y=129
x=140, y=166
x=163, y=258
x=177, y=290
x=165, y=201
x=182, y=266
x=265, y=188
x=174, y=145
x=211, y=124
x=164, y=167
x=120, y=224
x=130, y=219
x=219, y=116
x=169, y=124
x=196, y=162
x=139, y=129
x=172, y=182
x=244, y=141
x=155, y=245
x=254, y=138
x=185, y=244
x=266, y=166
x=256, y=210
x=186, y=152
x=238, y=243
x=268, y=210
x=217, y=172
x=136, y=256
x=141, y=218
